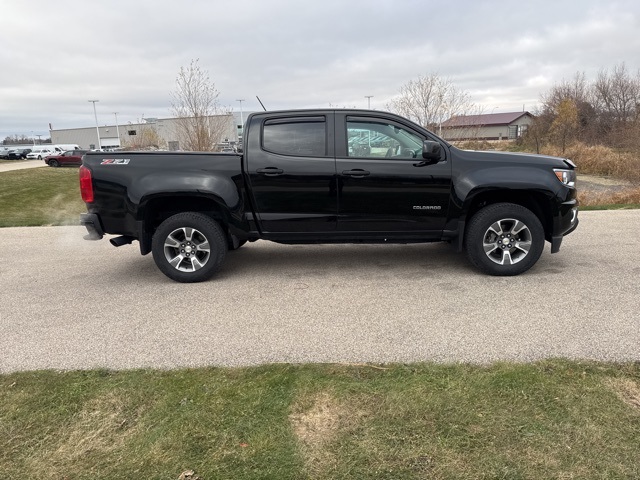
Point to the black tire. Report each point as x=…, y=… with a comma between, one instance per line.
x=39, y=157
x=54, y=163
x=507, y=233
x=193, y=231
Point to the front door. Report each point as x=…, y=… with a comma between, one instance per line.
x=384, y=184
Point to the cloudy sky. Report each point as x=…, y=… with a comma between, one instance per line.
x=56, y=55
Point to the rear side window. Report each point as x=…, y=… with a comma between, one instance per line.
x=306, y=137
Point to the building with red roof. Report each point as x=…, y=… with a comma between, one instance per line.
x=492, y=126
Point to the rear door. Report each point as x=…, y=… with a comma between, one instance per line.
x=290, y=164
x=385, y=186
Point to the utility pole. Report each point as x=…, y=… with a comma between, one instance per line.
x=118, y=129
x=96, y=117
x=368, y=97
x=241, y=115
x=241, y=120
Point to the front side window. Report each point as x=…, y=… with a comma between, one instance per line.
x=298, y=137
x=379, y=139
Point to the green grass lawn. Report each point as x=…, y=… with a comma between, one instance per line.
x=551, y=419
x=612, y=206
x=40, y=196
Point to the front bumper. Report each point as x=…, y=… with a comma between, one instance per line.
x=92, y=223
x=564, y=223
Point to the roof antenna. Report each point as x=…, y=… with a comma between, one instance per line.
x=261, y=103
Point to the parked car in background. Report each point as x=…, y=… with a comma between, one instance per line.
x=4, y=153
x=72, y=157
x=19, y=154
x=39, y=153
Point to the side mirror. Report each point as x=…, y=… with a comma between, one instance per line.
x=431, y=150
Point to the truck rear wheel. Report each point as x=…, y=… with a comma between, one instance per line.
x=189, y=247
x=504, y=239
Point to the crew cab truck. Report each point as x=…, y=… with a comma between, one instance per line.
x=330, y=176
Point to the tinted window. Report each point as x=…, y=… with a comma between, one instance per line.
x=296, y=137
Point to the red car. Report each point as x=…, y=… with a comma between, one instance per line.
x=72, y=157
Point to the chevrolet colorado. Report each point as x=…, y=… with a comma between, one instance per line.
x=330, y=176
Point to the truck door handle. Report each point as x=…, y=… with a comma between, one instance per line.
x=357, y=173
x=270, y=171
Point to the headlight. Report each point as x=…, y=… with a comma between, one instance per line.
x=567, y=177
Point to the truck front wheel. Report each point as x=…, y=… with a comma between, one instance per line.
x=504, y=239
x=189, y=247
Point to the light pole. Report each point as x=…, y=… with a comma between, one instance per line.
x=241, y=120
x=117, y=128
x=241, y=115
x=33, y=137
x=96, y=117
x=368, y=97
x=39, y=140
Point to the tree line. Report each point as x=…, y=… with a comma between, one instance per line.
x=604, y=111
x=23, y=140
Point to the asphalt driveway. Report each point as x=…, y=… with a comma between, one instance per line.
x=66, y=303
x=20, y=165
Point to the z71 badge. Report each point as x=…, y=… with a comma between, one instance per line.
x=115, y=161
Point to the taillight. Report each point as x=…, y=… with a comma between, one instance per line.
x=86, y=185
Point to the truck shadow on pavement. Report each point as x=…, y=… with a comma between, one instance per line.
x=261, y=259
x=298, y=261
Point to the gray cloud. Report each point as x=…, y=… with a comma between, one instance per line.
x=57, y=55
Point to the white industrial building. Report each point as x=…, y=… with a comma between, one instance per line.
x=164, y=132
x=493, y=126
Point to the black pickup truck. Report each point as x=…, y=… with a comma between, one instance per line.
x=330, y=176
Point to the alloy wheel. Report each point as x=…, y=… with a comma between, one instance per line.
x=507, y=241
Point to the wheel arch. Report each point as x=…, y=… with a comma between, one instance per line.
x=537, y=202
x=156, y=209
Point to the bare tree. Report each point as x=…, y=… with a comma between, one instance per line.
x=618, y=95
x=201, y=122
x=430, y=100
x=566, y=123
x=580, y=93
x=577, y=89
x=538, y=131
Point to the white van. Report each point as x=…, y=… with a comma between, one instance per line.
x=65, y=147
